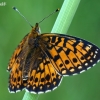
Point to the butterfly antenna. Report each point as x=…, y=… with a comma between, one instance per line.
x=49, y=15
x=22, y=16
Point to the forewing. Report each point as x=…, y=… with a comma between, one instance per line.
x=16, y=65
x=70, y=55
x=42, y=78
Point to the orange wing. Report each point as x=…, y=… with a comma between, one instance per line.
x=16, y=67
x=42, y=76
x=70, y=55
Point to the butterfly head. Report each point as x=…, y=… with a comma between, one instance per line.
x=36, y=29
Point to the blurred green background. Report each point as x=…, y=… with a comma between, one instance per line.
x=85, y=24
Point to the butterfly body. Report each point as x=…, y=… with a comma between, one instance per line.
x=41, y=60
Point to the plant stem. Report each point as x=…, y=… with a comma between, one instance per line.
x=61, y=25
x=65, y=16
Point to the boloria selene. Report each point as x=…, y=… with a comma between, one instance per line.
x=41, y=60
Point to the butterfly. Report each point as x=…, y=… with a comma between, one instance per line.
x=41, y=60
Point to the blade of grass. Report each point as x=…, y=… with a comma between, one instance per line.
x=65, y=16
x=61, y=25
